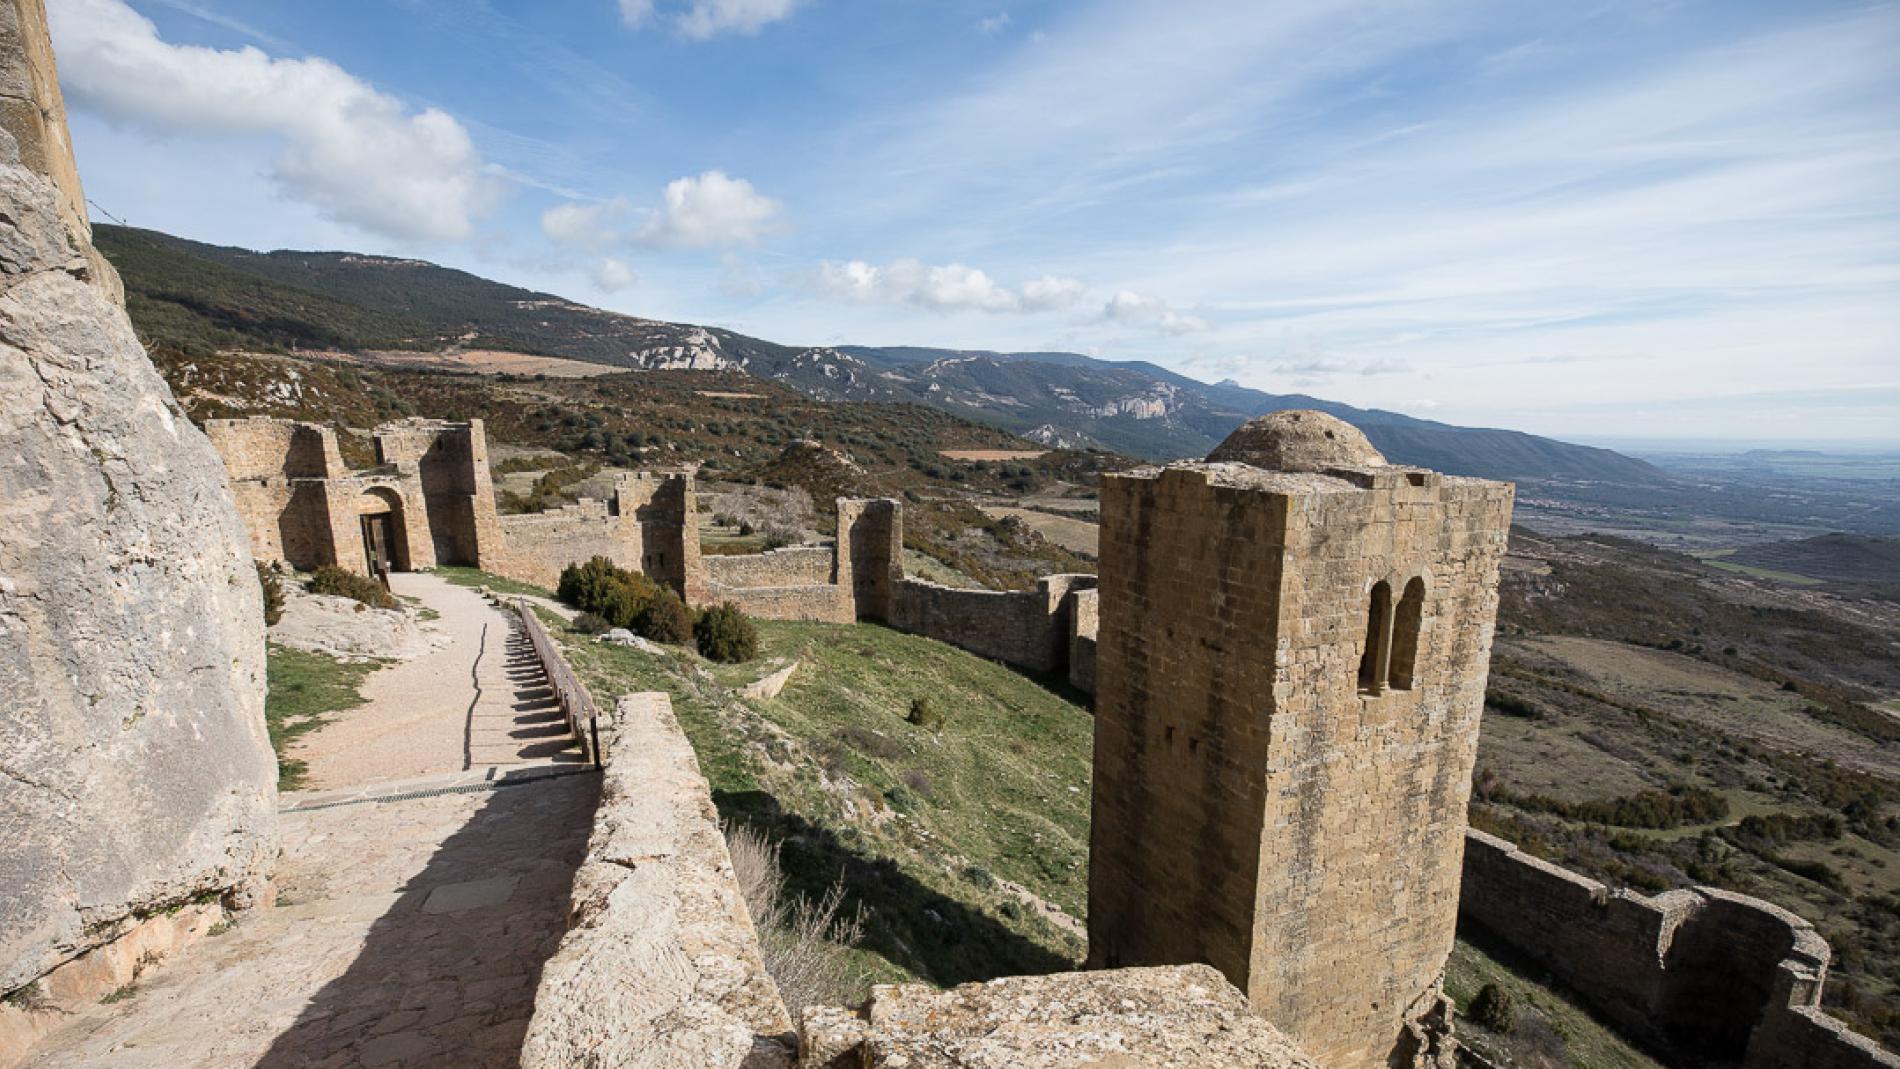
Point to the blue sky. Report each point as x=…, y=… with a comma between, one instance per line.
x=1589, y=220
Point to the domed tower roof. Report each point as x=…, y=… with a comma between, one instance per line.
x=1297, y=439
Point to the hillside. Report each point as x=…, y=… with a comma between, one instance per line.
x=1842, y=558
x=199, y=299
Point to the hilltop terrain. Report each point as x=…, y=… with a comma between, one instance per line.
x=199, y=299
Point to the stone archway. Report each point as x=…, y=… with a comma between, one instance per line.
x=385, y=538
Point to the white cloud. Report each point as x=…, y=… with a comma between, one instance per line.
x=943, y=288
x=1128, y=306
x=636, y=12
x=587, y=225
x=611, y=274
x=354, y=153
x=702, y=19
x=709, y=210
x=996, y=23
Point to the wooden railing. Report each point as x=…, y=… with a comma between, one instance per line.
x=583, y=719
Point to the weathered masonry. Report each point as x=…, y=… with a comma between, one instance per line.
x=1724, y=977
x=1290, y=670
x=430, y=500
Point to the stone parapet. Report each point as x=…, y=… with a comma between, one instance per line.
x=661, y=967
x=1705, y=972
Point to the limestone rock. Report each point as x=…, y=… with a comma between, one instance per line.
x=135, y=772
x=1297, y=439
x=1174, y=1017
x=346, y=629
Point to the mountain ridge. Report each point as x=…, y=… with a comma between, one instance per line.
x=198, y=297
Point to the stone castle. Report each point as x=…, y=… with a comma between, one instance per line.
x=1288, y=645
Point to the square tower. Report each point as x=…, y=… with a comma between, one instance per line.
x=1292, y=654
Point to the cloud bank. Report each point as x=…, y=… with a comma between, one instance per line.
x=355, y=154
x=943, y=288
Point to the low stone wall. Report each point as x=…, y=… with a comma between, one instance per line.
x=1026, y=628
x=826, y=603
x=661, y=967
x=540, y=544
x=791, y=566
x=1723, y=975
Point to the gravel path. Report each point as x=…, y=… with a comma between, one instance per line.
x=479, y=703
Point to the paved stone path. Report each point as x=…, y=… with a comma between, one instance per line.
x=482, y=702
x=414, y=914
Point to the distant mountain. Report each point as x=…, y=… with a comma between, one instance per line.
x=199, y=298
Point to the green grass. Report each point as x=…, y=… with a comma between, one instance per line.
x=1550, y=1032
x=304, y=688
x=919, y=824
x=475, y=578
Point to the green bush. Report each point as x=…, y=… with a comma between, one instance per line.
x=273, y=594
x=1494, y=1009
x=666, y=619
x=924, y=714
x=724, y=634
x=330, y=579
x=607, y=590
x=588, y=623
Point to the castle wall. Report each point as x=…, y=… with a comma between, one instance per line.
x=1704, y=971
x=1030, y=629
x=1252, y=807
x=451, y=460
x=1084, y=627
x=541, y=544
x=791, y=566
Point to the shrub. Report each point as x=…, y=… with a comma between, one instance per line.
x=1494, y=1009
x=607, y=590
x=330, y=579
x=666, y=619
x=588, y=623
x=805, y=942
x=924, y=714
x=724, y=634
x=273, y=594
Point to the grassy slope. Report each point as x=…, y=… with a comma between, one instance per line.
x=304, y=689
x=925, y=826
x=927, y=829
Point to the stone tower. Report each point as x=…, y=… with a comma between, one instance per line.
x=1292, y=657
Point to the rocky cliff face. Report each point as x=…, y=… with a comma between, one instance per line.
x=135, y=773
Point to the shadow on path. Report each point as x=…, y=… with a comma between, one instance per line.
x=447, y=973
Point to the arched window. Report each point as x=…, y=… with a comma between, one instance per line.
x=1378, y=639
x=1405, y=634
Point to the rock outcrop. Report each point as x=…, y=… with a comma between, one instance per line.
x=1182, y=1017
x=135, y=771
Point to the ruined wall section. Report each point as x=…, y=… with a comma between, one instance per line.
x=271, y=464
x=1030, y=629
x=1703, y=971
x=661, y=965
x=451, y=460
x=541, y=544
x=1085, y=625
x=135, y=772
x=790, y=566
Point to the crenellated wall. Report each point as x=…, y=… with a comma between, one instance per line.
x=1721, y=975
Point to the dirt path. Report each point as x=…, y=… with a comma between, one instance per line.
x=408, y=933
x=425, y=879
x=479, y=703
